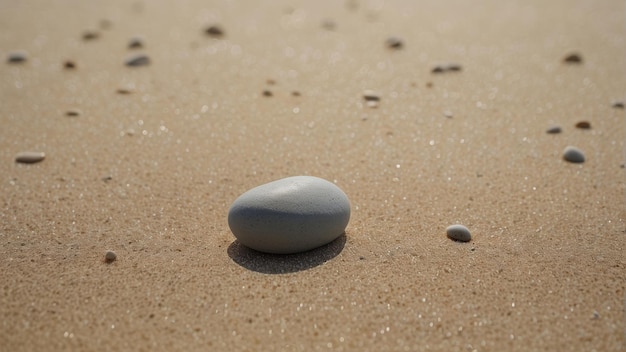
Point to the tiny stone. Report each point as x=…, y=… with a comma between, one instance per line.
x=369, y=95
x=454, y=67
x=107, y=178
x=110, y=257
x=214, y=31
x=30, y=157
x=458, y=233
x=17, y=57
x=138, y=60
x=267, y=93
x=135, y=43
x=554, y=130
x=72, y=113
x=448, y=114
x=394, y=43
x=70, y=65
x=573, y=155
x=618, y=105
x=90, y=35
x=295, y=93
x=585, y=125
x=372, y=104
x=573, y=58
x=438, y=69
x=123, y=91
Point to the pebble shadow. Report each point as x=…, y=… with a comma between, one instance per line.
x=284, y=263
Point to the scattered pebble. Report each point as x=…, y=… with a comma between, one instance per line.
x=17, y=57
x=123, y=91
x=138, y=60
x=394, y=43
x=30, y=157
x=438, y=69
x=290, y=215
x=295, y=93
x=618, y=105
x=573, y=58
x=454, y=67
x=135, y=43
x=72, y=113
x=370, y=95
x=459, y=233
x=267, y=93
x=447, y=68
x=585, y=125
x=110, y=256
x=573, y=155
x=554, y=130
x=90, y=35
x=448, y=114
x=215, y=31
x=69, y=65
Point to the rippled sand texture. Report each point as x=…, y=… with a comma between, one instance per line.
x=144, y=160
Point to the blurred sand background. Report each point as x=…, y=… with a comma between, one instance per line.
x=151, y=174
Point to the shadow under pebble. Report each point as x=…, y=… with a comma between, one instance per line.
x=284, y=263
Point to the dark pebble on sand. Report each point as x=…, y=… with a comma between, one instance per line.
x=394, y=43
x=554, y=130
x=110, y=257
x=585, y=125
x=69, y=65
x=72, y=113
x=90, y=35
x=573, y=58
x=17, y=57
x=135, y=43
x=295, y=93
x=138, y=60
x=369, y=95
x=454, y=67
x=618, y=105
x=438, y=69
x=573, y=155
x=123, y=91
x=214, y=31
x=267, y=93
x=29, y=157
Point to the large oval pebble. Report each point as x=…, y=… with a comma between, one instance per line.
x=30, y=157
x=290, y=215
x=573, y=155
x=459, y=233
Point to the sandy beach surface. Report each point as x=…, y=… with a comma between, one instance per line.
x=146, y=160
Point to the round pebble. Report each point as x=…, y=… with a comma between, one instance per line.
x=135, y=43
x=573, y=155
x=394, y=43
x=585, y=125
x=458, y=233
x=214, y=31
x=110, y=256
x=30, y=157
x=290, y=215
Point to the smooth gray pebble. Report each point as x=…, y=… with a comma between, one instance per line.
x=110, y=256
x=554, y=130
x=138, y=60
x=458, y=232
x=573, y=155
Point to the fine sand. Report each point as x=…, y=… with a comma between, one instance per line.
x=145, y=161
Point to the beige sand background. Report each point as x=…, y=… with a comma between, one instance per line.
x=151, y=175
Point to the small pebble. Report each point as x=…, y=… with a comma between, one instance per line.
x=394, y=43
x=72, y=113
x=110, y=257
x=290, y=215
x=458, y=233
x=370, y=95
x=30, y=157
x=454, y=67
x=267, y=93
x=138, y=60
x=17, y=57
x=438, y=69
x=554, y=130
x=295, y=93
x=135, y=43
x=585, y=125
x=214, y=31
x=90, y=35
x=372, y=104
x=123, y=91
x=573, y=155
x=618, y=105
x=69, y=65
x=448, y=114
x=573, y=58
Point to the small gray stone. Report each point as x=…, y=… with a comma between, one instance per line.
x=17, y=57
x=554, y=130
x=458, y=233
x=110, y=256
x=290, y=215
x=573, y=155
x=30, y=157
x=138, y=60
